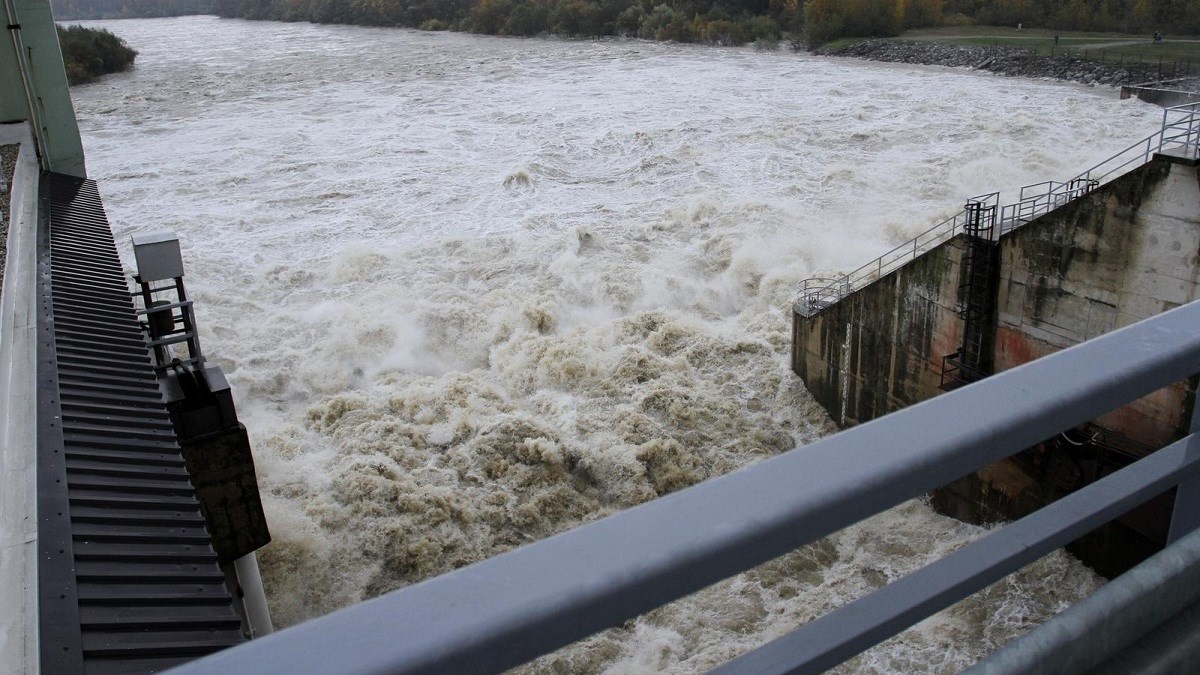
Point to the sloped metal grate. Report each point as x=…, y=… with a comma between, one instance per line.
x=128, y=581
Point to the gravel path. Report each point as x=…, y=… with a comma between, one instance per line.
x=8, y=160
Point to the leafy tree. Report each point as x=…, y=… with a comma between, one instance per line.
x=919, y=13
x=723, y=32
x=489, y=16
x=528, y=19
x=630, y=20
x=1011, y=12
x=826, y=20
x=89, y=53
x=578, y=17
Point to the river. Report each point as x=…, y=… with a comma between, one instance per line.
x=471, y=291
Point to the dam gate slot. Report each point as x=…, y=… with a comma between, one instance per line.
x=979, y=276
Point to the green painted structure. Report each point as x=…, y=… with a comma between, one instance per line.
x=33, y=85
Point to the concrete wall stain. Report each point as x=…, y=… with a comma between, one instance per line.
x=1126, y=251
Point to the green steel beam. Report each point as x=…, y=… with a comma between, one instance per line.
x=34, y=83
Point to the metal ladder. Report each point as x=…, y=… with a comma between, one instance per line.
x=977, y=295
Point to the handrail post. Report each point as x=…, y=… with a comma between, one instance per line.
x=1185, y=515
x=1162, y=134
x=1194, y=132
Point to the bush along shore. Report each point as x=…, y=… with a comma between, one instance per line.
x=1010, y=61
x=89, y=53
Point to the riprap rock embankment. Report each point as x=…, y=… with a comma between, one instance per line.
x=1011, y=61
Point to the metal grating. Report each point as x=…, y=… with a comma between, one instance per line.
x=128, y=581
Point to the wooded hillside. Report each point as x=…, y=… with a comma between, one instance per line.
x=713, y=21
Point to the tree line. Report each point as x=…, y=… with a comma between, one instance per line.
x=829, y=19
x=80, y=10
x=711, y=21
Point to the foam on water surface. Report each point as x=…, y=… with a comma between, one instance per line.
x=473, y=291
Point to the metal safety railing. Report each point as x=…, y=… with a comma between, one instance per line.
x=514, y=607
x=1184, y=81
x=1181, y=133
x=819, y=292
x=1104, y=632
x=1041, y=198
x=1179, y=136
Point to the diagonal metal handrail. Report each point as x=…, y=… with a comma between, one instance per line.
x=835, y=637
x=518, y=605
x=1179, y=136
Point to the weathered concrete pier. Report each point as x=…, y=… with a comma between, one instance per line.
x=1065, y=263
x=1167, y=93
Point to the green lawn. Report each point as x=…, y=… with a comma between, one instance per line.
x=1107, y=47
x=837, y=44
x=1098, y=46
x=1006, y=32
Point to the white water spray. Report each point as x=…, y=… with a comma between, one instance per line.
x=472, y=291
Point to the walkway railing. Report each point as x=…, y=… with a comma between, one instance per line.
x=1139, y=67
x=514, y=607
x=1179, y=136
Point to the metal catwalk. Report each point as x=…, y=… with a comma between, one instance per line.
x=128, y=580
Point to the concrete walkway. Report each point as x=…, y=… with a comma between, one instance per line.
x=18, y=401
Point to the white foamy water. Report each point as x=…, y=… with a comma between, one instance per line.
x=471, y=291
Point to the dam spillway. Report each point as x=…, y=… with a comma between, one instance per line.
x=1070, y=261
x=631, y=304
x=129, y=580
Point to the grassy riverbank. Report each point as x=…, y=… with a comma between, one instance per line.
x=1093, y=46
x=1109, y=59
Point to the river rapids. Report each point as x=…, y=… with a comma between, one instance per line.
x=473, y=291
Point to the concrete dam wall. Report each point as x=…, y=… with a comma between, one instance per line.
x=1118, y=254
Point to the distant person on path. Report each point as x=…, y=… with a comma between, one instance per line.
x=1056, y=39
x=1157, y=37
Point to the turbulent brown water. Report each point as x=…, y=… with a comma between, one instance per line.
x=472, y=291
